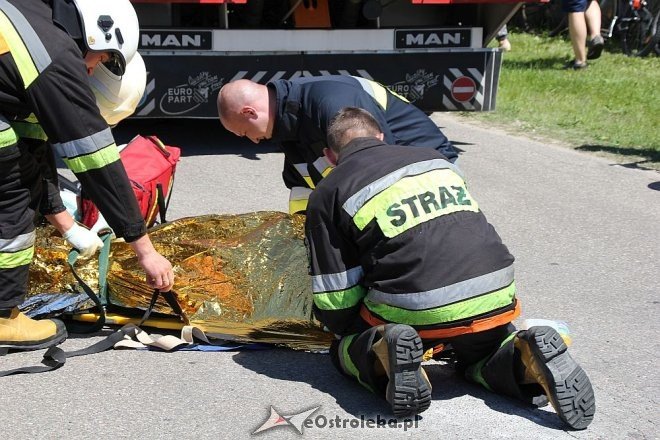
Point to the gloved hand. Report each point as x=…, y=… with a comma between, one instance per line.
x=101, y=225
x=86, y=241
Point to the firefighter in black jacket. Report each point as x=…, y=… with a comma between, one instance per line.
x=402, y=260
x=295, y=113
x=47, y=51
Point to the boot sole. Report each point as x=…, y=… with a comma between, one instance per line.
x=408, y=391
x=56, y=339
x=571, y=393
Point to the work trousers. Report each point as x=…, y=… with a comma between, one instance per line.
x=27, y=178
x=486, y=357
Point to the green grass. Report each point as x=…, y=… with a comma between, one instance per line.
x=613, y=106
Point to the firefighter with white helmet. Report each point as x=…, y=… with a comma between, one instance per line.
x=118, y=96
x=110, y=26
x=48, y=51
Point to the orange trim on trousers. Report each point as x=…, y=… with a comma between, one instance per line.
x=478, y=325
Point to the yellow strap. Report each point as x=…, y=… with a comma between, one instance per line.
x=113, y=318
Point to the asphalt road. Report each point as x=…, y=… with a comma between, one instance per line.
x=586, y=235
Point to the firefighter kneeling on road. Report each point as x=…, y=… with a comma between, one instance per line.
x=47, y=50
x=403, y=260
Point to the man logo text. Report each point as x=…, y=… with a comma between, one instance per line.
x=433, y=39
x=176, y=40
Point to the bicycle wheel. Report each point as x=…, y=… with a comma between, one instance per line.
x=536, y=17
x=639, y=31
x=608, y=10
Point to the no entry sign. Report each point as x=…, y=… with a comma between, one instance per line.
x=463, y=89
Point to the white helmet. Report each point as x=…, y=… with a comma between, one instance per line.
x=117, y=97
x=110, y=26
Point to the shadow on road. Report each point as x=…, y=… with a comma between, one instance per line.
x=317, y=371
x=448, y=385
x=200, y=137
x=641, y=157
x=195, y=137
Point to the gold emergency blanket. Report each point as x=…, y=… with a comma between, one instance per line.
x=243, y=277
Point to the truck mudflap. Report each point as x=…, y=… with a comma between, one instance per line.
x=187, y=85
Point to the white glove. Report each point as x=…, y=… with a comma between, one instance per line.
x=101, y=226
x=86, y=241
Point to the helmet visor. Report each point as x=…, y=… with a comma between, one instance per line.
x=115, y=64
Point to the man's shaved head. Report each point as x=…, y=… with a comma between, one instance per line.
x=234, y=95
x=244, y=108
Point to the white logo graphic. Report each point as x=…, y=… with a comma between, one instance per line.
x=184, y=98
x=415, y=85
x=294, y=420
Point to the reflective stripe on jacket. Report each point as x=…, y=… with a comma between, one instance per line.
x=45, y=94
x=395, y=231
x=305, y=107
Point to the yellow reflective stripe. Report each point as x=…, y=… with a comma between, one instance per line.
x=347, y=363
x=29, y=130
x=7, y=137
x=334, y=282
x=413, y=200
x=4, y=47
x=18, y=243
x=32, y=118
x=378, y=91
x=297, y=206
x=323, y=166
x=474, y=371
x=19, y=52
x=401, y=97
x=345, y=358
x=298, y=197
x=454, y=312
x=443, y=296
x=86, y=145
x=10, y=260
x=341, y=299
x=357, y=200
x=375, y=90
x=302, y=170
x=93, y=161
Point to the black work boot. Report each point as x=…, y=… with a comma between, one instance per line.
x=400, y=352
x=546, y=361
x=19, y=332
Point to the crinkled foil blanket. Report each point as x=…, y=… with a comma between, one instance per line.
x=240, y=275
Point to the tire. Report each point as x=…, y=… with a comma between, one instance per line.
x=639, y=32
x=536, y=17
x=560, y=28
x=608, y=10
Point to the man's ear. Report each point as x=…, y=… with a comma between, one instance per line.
x=381, y=136
x=330, y=154
x=248, y=112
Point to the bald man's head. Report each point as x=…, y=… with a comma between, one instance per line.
x=244, y=108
